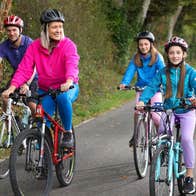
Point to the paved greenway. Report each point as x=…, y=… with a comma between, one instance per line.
x=104, y=161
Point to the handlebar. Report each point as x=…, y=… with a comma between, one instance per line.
x=52, y=92
x=16, y=95
x=136, y=88
x=159, y=107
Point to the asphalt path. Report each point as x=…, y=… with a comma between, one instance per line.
x=104, y=164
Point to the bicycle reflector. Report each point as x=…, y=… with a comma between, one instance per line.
x=39, y=111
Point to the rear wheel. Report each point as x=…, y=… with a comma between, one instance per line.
x=65, y=168
x=159, y=184
x=27, y=171
x=141, y=148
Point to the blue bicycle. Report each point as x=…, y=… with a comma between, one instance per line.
x=167, y=164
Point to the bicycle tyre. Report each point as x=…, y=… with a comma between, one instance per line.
x=181, y=166
x=5, y=147
x=158, y=183
x=141, y=149
x=152, y=135
x=26, y=174
x=65, y=168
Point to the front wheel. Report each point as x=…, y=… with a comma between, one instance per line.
x=30, y=174
x=181, y=169
x=159, y=184
x=141, y=148
x=6, y=141
x=65, y=168
x=152, y=135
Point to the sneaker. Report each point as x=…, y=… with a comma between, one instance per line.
x=67, y=140
x=189, y=186
x=131, y=141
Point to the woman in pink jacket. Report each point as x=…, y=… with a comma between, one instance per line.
x=56, y=59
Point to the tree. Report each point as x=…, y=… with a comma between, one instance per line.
x=143, y=14
x=173, y=20
x=5, y=7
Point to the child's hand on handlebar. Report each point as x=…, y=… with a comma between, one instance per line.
x=140, y=105
x=193, y=101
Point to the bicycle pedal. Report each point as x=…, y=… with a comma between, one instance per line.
x=20, y=150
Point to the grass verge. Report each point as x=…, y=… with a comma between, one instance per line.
x=100, y=105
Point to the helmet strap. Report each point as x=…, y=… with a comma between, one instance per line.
x=15, y=41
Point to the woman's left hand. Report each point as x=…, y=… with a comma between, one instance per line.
x=65, y=86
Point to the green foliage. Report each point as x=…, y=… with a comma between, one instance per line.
x=122, y=28
x=104, y=31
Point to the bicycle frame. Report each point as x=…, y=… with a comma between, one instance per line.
x=9, y=115
x=41, y=114
x=145, y=116
x=174, y=150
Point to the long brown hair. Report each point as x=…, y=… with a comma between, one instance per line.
x=180, y=92
x=153, y=52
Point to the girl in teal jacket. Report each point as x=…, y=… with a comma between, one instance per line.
x=178, y=80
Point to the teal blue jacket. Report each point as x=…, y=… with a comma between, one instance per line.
x=144, y=73
x=160, y=81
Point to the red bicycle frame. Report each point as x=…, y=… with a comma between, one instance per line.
x=41, y=114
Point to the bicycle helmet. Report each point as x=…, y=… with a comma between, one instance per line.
x=176, y=41
x=51, y=15
x=145, y=35
x=13, y=21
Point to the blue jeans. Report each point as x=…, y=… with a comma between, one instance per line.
x=64, y=103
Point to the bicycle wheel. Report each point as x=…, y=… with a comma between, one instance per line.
x=28, y=174
x=181, y=168
x=6, y=143
x=65, y=168
x=141, y=148
x=152, y=135
x=158, y=179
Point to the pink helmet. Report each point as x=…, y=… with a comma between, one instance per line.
x=176, y=41
x=13, y=21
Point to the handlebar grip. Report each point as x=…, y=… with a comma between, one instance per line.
x=71, y=87
x=125, y=88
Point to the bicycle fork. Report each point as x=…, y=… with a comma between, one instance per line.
x=169, y=164
x=177, y=161
x=170, y=160
x=40, y=164
x=6, y=119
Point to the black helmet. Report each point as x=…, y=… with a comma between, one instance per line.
x=51, y=15
x=145, y=35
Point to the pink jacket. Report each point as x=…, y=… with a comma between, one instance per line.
x=53, y=68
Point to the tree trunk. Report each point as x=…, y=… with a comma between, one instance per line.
x=4, y=10
x=143, y=14
x=173, y=21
